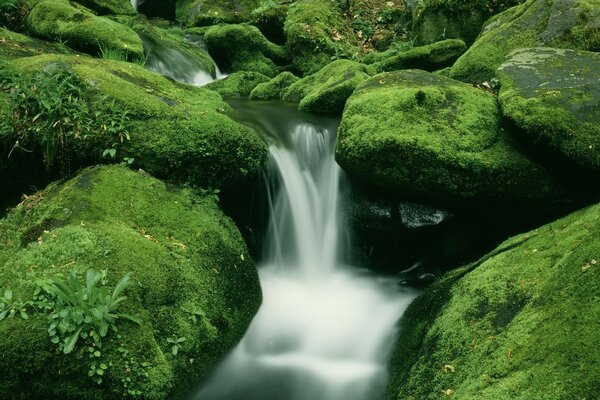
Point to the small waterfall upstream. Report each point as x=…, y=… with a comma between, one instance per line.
x=325, y=330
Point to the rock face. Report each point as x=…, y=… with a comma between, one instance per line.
x=238, y=85
x=327, y=90
x=553, y=96
x=427, y=136
x=209, y=12
x=571, y=24
x=520, y=323
x=82, y=30
x=274, y=88
x=243, y=47
x=429, y=58
x=192, y=278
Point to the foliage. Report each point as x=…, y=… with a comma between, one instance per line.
x=54, y=110
x=11, y=306
x=176, y=343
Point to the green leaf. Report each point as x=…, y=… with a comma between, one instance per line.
x=71, y=341
x=8, y=294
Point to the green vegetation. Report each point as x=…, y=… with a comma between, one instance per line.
x=550, y=94
x=238, y=85
x=243, y=48
x=191, y=277
x=520, y=323
x=211, y=12
x=447, y=144
x=103, y=7
x=327, y=90
x=430, y=57
x=275, y=88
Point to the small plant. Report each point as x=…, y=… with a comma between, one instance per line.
x=214, y=193
x=10, y=306
x=176, y=342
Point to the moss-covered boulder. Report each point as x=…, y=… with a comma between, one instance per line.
x=553, y=96
x=274, y=88
x=176, y=131
x=316, y=34
x=105, y=7
x=327, y=90
x=520, y=323
x=571, y=24
x=238, y=85
x=416, y=134
x=16, y=45
x=270, y=19
x=429, y=58
x=191, y=273
x=81, y=30
x=435, y=20
x=242, y=47
x=210, y=12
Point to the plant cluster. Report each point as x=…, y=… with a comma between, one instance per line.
x=55, y=113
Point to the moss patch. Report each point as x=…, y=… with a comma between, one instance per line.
x=82, y=30
x=428, y=136
x=521, y=323
x=187, y=259
x=553, y=96
x=16, y=45
x=238, y=85
x=210, y=12
x=103, y=7
x=275, y=88
x=429, y=58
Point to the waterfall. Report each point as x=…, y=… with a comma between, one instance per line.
x=325, y=330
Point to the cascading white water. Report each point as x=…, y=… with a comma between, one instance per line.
x=325, y=330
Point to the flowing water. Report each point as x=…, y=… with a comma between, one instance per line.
x=325, y=330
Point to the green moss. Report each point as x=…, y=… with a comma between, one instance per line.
x=430, y=57
x=327, y=90
x=103, y=7
x=518, y=324
x=177, y=131
x=275, y=88
x=210, y=12
x=430, y=137
x=316, y=34
x=238, y=85
x=186, y=257
x=551, y=94
x=270, y=18
x=553, y=23
x=243, y=47
x=81, y=30
x=16, y=45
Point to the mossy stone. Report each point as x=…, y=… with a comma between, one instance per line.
x=521, y=323
x=211, y=12
x=186, y=258
x=327, y=90
x=274, y=88
x=238, y=85
x=429, y=58
x=553, y=96
x=316, y=34
x=270, y=19
x=16, y=45
x=81, y=30
x=417, y=134
x=242, y=47
x=571, y=24
x=178, y=131
x=105, y=7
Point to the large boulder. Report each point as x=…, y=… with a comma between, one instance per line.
x=316, y=34
x=520, y=323
x=176, y=131
x=416, y=134
x=571, y=24
x=434, y=20
x=238, y=85
x=193, y=285
x=429, y=57
x=553, y=96
x=210, y=12
x=274, y=88
x=327, y=90
x=242, y=47
x=81, y=30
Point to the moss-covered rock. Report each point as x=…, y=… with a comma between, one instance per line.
x=270, y=19
x=81, y=30
x=427, y=136
x=210, y=12
x=165, y=9
x=571, y=24
x=274, y=88
x=327, y=90
x=435, y=20
x=316, y=34
x=242, y=47
x=104, y=7
x=238, y=85
x=520, y=323
x=553, y=96
x=15, y=45
x=177, y=131
x=192, y=277
x=429, y=58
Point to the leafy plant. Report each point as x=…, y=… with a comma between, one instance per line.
x=10, y=306
x=176, y=342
